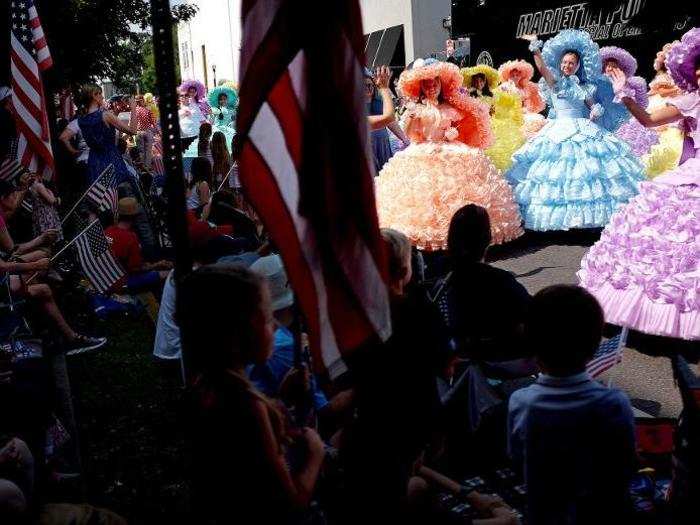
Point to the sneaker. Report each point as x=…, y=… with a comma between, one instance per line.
x=83, y=343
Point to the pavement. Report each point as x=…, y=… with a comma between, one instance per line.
x=539, y=260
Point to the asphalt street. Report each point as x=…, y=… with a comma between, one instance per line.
x=539, y=260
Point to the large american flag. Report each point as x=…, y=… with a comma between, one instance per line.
x=95, y=256
x=103, y=192
x=306, y=168
x=29, y=57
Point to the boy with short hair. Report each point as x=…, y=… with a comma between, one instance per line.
x=573, y=437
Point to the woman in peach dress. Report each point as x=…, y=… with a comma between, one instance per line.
x=421, y=187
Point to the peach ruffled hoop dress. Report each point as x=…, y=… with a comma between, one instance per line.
x=421, y=187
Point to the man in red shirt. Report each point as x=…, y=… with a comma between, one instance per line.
x=140, y=275
x=146, y=130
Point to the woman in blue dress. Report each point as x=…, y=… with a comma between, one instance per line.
x=99, y=128
x=575, y=173
x=223, y=101
x=382, y=149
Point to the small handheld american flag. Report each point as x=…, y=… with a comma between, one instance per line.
x=103, y=193
x=95, y=256
x=11, y=169
x=609, y=354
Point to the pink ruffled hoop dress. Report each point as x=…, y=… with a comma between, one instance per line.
x=645, y=269
x=421, y=187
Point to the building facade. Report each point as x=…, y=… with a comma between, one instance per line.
x=397, y=32
x=209, y=44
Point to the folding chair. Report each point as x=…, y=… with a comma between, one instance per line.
x=608, y=355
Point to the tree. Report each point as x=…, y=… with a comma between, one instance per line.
x=98, y=39
x=148, y=76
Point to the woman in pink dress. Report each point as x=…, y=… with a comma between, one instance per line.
x=645, y=269
x=518, y=74
x=421, y=187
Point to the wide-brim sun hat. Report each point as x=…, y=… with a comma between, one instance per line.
x=196, y=84
x=449, y=75
x=128, y=207
x=492, y=76
x=526, y=70
x=682, y=58
x=590, y=67
x=626, y=62
x=230, y=93
x=272, y=269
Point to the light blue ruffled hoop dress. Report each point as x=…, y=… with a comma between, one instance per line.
x=575, y=172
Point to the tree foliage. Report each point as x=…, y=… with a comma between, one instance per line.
x=100, y=39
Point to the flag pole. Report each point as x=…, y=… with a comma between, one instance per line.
x=65, y=248
x=226, y=178
x=65, y=218
x=162, y=24
x=302, y=403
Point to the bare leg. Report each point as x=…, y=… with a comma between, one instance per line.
x=44, y=297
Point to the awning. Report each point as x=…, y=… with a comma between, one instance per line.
x=380, y=46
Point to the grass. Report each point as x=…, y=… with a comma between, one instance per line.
x=127, y=411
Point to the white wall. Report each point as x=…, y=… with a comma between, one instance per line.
x=429, y=35
x=380, y=14
x=216, y=26
x=422, y=20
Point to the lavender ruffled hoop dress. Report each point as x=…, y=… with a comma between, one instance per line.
x=645, y=269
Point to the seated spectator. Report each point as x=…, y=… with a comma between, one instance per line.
x=274, y=378
x=486, y=304
x=140, y=276
x=572, y=437
x=199, y=186
x=223, y=210
x=44, y=208
x=396, y=396
x=238, y=438
x=167, y=344
x=131, y=187
x=38, y=248
x=18, y=502
x=41, y=296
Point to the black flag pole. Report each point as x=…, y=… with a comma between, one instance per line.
x=162, y=24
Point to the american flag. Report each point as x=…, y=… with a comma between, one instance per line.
x=305, y=167
x=29, y=57
x=103, y=192
x=95, y=256
x=609, y=354
x=11, y=169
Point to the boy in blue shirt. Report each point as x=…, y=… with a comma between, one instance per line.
x=572, y=436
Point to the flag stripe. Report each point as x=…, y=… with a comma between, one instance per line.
x=30, y=55
x=305, y=167
x=269, y=140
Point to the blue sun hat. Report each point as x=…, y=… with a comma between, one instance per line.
x=213, y=97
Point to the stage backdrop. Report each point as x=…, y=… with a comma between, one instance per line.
x=640, y=26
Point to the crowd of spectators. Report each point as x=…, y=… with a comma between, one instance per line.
x=271, y=441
